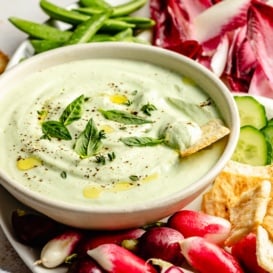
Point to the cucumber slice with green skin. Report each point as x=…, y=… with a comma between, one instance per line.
x=270, y=122
x=252, y=147
x=251, y=111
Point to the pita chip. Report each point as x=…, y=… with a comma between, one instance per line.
x=212, y=131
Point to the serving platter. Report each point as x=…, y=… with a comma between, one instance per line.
x=30, y=255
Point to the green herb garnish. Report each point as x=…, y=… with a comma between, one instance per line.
x=141, y=141
x=89, y=141
x=148, y=108
x=123, y=117
x=100, y=159
x=111, y=156
x=55, y=129
x=134, y=177
x=63, y=174
x=73, y=111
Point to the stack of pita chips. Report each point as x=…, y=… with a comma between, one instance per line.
x=243, y=194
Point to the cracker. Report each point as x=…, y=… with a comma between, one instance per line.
x=235, y=179
x=212, y=131
x=249, y=211
x=268, y=219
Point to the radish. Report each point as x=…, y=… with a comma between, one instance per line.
x=207, y=257
x=34, y=229
x=162, y=243
x=85, y=265
x=96, y=238
x=58, y=249
x=196, y=223
x=116, y=259
x=245, y=252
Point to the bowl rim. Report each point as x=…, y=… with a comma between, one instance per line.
x=187, y=191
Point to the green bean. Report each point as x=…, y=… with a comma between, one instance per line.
x=40, y=31
x=44, y=45
x=62, y=14
x=85, y=31
x=128, y=8
x=139, y=22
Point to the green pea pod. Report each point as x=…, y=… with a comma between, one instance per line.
x=95, y=3
x=124, y=34
x=44, y=45
x=128, y=8
x=115, y=25
x=62, y=14
x=89, y=10
x=40, y=31
x=102, y=37
x=85, y=31
x=139, y=22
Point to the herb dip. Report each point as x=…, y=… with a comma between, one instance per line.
x=116, y=174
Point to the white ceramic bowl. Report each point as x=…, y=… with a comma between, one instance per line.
x=131, y=215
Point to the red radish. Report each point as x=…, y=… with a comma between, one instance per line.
x=55, y=252
x=34, y=229
x=245, y=252
x=166, y=267
x=196, y=223
x=96, y=238
x=116, y=259
x=162, y=243
x=206, y=257
x=85, y=265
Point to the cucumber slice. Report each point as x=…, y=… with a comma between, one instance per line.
x=251, y=111
x=252, y=147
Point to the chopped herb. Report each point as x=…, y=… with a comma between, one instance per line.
x=73, y=111
x=100, y=159
x=128, y=103
x=63, y=174
x=148, y=108
x=123, y=117
x=141, y=141
x=111, y=156
x=134, y=92
x=89, y=141
x=134, y=177
x=55, y=129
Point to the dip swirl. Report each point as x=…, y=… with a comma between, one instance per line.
x=116, y=174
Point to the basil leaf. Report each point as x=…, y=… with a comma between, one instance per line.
x=55, y=129
x=73, y=111
x=123, y=117
x=89, y=141
x=141, y=141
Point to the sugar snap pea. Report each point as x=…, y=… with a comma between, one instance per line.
x=85, y=31
x=40, y=31
x=62, y=14
x=95, y=3
x=139, y=22
x=128, y=8
x=44, y=45
x=124, y=34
